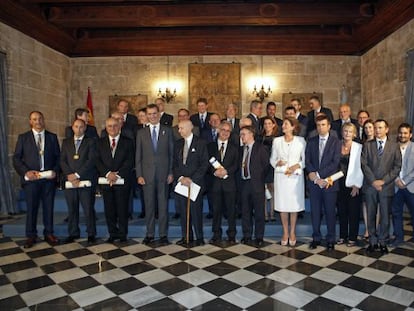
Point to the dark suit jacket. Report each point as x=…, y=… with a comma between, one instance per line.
x=85, y=165
x=236, y=126
x=26, y=155
x=337, y=126
x=90, y=132
x=132, y=124
x=311, y=118
x=258, y=165
x=230, y=163
x=166, y=119
x=256, y=124
x=387, y=167
x=195, y=119
x=123, y=162
x=330, y=160
x=149, y=163
x=197, y=160
x=207, y=135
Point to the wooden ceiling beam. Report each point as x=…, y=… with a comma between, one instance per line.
x=227, y=14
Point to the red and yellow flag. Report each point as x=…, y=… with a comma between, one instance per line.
x=89, y=105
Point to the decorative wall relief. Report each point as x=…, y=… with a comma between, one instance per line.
x=219, y=83
x=136, y=102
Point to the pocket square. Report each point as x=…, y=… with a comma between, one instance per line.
x=193, y=150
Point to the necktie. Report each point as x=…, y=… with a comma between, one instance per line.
x=380, y=148
x=202, y=121
x=246, y=162
x=77, y=145
x=39, y=148
x=321, y=147
x=214, y=134
x=113, y=146
x=222, y=152
x=154, y=138
x=185, y=151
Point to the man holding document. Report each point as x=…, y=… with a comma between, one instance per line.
x=77, y=162
x=36, y=160
x=115, y=162
x=322, y=154
x=189, y=167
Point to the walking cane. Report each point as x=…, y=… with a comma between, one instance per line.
x=187, y=237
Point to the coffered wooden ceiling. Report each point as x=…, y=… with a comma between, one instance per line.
x=127, y=27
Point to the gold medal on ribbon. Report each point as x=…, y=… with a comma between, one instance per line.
x=76, y=157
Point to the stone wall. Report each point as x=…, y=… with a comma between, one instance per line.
x=37, y=79
x=138, y=75
x=384, y=76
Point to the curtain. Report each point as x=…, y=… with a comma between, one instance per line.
x=410, y=87
x=7, y=205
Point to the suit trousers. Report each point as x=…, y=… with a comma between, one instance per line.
x=323, y=203
x=73, y=198
x=156, y=196
x=116, y=209
x=252, y=203
x=374, y=199
x=224, y=203
x=36, y=192
x=348, y=211
x=403, y=196
x=196, y=215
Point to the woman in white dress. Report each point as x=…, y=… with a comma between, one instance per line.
x=288, y=159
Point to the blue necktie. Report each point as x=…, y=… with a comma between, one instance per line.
x=154, y=138
x=380, y=148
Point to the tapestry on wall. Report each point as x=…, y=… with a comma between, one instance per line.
x=219, y=83
x=136, y=102
x=304, y=99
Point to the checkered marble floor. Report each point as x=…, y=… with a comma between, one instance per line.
x=133, y=276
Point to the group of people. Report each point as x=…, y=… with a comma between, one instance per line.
x=346, y=165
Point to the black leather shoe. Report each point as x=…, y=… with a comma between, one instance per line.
x=123, y=239
x=148, y=240
x=231, y=240
x=245, y=240
x=215, y=239
x=30, y=242
x=330, y=246
x=163, y=240
x=259, y=242
x=110, y=240
x=71, y=239
x=383, y=249
x=51, y=239
x=183, y=241
x=91, y=239
x=314, y=244
x=199, y=242
x=371, y=248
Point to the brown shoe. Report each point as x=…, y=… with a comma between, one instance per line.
x=51, y=239
x=30, y=242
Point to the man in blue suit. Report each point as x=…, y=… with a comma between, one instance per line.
x=38, y=151
x=322, y=155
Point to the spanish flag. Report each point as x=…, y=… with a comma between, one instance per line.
x=89, y=105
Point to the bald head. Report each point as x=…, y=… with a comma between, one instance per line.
x=185, y=128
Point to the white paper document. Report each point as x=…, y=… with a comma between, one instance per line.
x=82, y=184
x=183, y=190
x=104, y=181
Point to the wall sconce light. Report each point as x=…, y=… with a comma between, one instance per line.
x=262, y=93
x=167, y=94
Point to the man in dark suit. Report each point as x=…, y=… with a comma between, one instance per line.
x=323, y=153
x=182, y=115
x=381, y=164
x=153, y=160
x=303, y=120
x=290, y=112
x=82, y=114
x=165, y=118
x=202, y=118
x=115, y=161
x=190, y=165
x=37, y=151
x=231, y=116
x=130, y=120
x=256, y=108
x=344, y=117
x=77, y=161
x=271, y=112
x=223, y=184
x=362, y=116
x=211, y=134
x=253, y=166
x=316, y=106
